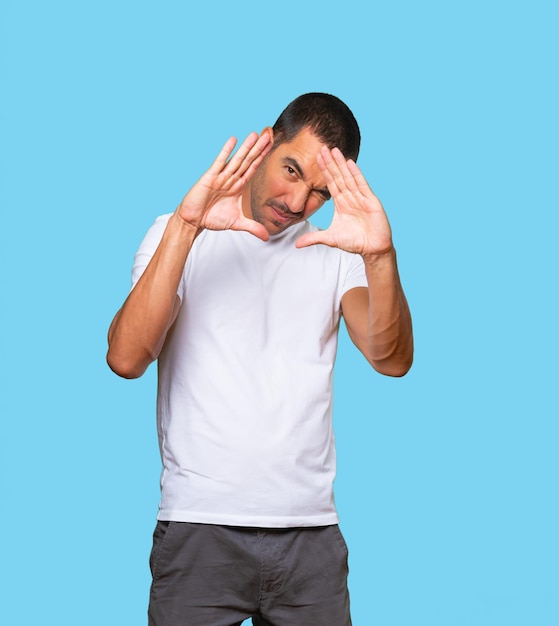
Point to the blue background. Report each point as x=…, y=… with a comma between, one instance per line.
x=447, y=485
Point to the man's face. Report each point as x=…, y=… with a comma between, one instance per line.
x=288, y=187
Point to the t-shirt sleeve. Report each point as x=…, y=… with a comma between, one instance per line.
x=355, y=274
x=148, y=247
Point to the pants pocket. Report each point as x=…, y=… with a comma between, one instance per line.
x=160, y=540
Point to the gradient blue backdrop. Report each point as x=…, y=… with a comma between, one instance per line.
x=447, y=485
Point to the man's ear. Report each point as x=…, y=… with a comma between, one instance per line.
x=268, y=131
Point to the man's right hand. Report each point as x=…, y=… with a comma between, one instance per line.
x=215, y=201
x=139, y=329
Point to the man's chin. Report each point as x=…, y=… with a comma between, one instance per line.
x=274, y=228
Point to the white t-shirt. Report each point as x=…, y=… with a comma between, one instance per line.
x=245, y=379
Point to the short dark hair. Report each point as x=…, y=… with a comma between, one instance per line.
x=326, y=116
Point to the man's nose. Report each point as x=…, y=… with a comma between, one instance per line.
x=298, y=198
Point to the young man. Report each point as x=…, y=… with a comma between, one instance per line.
x=241, y=307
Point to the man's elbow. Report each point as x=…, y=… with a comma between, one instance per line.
x=395, y=364
x=125, y=368
x=395, y=369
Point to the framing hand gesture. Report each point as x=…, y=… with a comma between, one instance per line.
x=359, y=224
x=214, y=202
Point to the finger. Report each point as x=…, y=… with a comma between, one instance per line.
x=338, y=177
x=341, y=172
x=224, y=154
x=311, y=239
x=242, y=152
x=323, y=159
x=260, y=152
x=251, y=226
x=251, y=149
x=360, y=180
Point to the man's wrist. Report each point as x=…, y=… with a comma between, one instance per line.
x=185, y=228
x=373, y=259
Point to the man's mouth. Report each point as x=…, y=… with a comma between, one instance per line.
x=280, y=216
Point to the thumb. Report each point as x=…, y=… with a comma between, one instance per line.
x=253, y=227
x=310, y=239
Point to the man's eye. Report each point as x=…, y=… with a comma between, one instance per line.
x=290, y=170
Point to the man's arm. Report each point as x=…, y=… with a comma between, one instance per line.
x=138, y=331
x=377, y=318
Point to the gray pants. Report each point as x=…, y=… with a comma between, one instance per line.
x=209, y=575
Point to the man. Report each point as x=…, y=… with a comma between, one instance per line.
x=241, y=306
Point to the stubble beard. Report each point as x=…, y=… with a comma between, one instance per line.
x=258, y=204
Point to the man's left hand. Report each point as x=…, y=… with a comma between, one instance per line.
x=359, y=224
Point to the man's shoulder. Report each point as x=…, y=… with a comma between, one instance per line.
x=162, y=219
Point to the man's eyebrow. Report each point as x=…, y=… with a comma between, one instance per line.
x=295, y=165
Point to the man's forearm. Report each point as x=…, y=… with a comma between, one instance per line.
x=389, y=332
x=138, y=330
